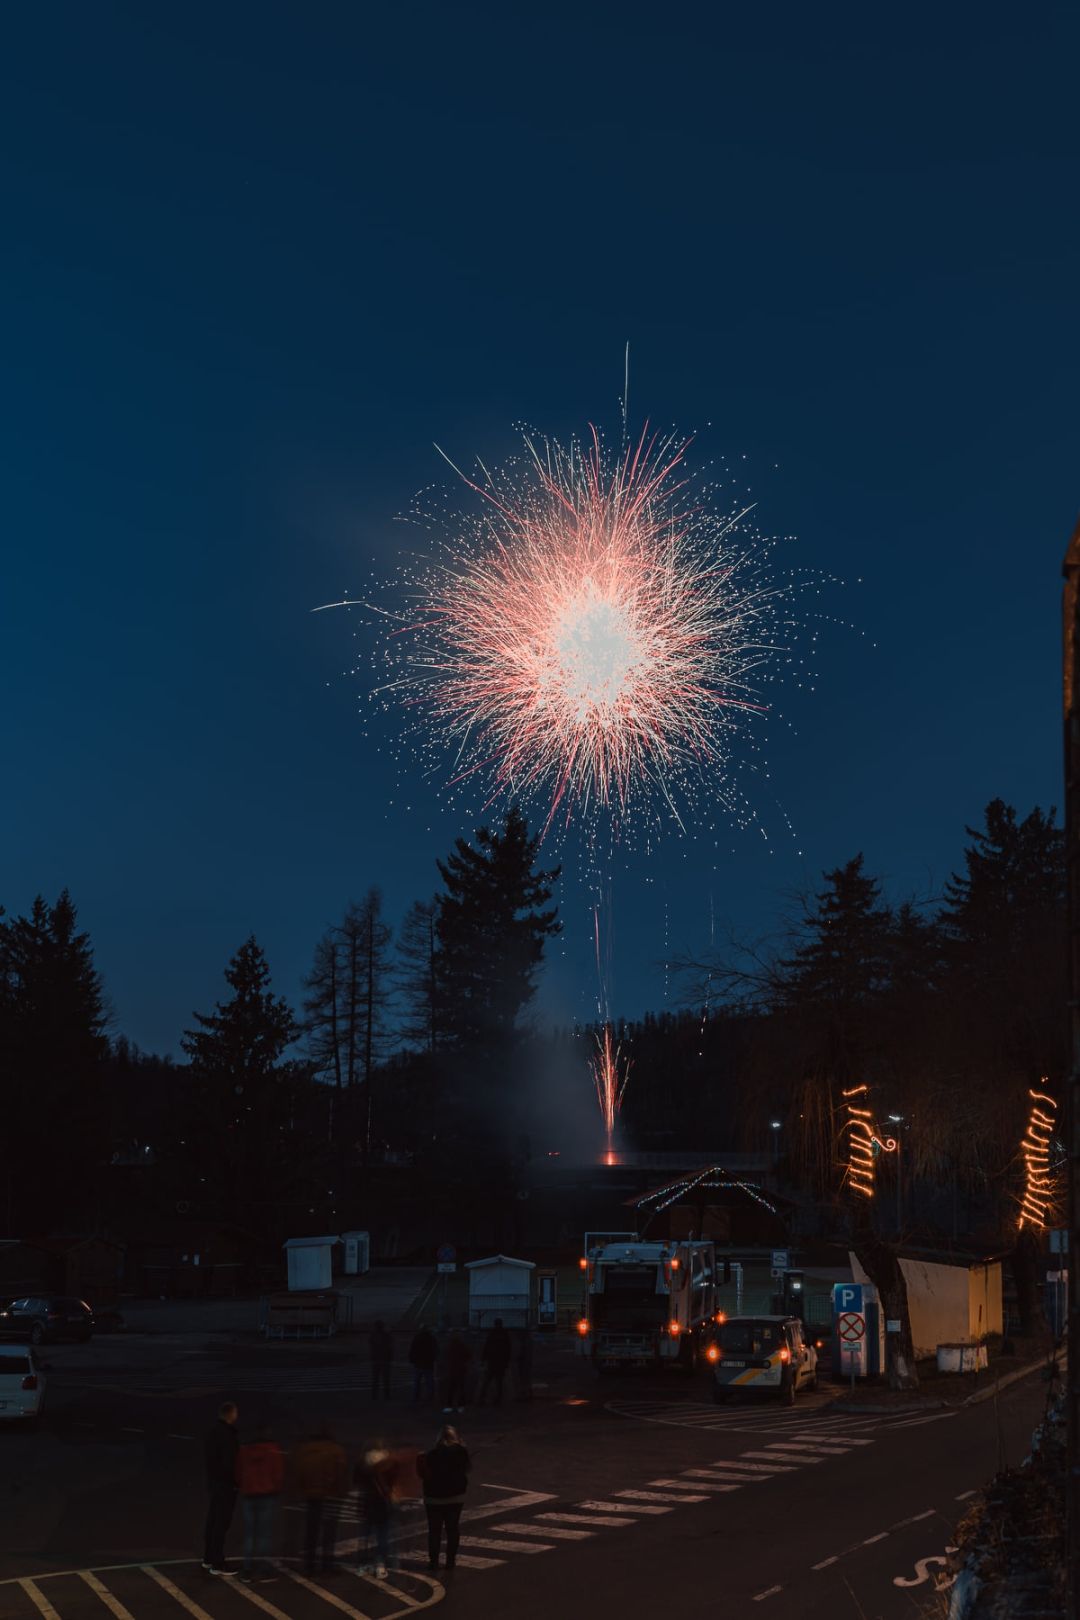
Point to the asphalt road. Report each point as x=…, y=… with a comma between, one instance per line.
x=629, y=1497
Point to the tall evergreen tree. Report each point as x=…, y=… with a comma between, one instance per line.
x=241, y=1089
x=52, y=1052
x=417, y=975
x=491, y=928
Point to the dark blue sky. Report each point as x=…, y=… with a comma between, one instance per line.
x=256, y=258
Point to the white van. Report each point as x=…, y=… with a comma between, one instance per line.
x=761, y=1355
x=22, y=1383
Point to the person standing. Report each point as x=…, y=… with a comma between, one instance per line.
x=423, y=1353
x=496, y=1359
x=458, y=1357
x=374, y=1478
x=320, y=1474
x=382, y=1354
x=444, y=1471
x=523, y=1364
x=260, y=1474
x=219, y=1451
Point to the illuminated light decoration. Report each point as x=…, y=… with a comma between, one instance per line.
x=1040, y=1180
x=593, y=637
x=715, y=1176
x=611, y=1072
x=865, y=1141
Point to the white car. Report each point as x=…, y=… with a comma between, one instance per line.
x=22, y=1383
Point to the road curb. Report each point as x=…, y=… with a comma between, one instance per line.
x=1009, y=1378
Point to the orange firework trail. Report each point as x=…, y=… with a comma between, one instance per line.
x=611, y=1071
x=592, y=639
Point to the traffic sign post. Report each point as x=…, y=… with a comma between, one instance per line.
x=445, y=1265
x=851, y=1332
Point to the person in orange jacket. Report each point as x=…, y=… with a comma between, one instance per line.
x=260, y=1474
x=320, y=1474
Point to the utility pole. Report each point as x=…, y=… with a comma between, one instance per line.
x=1071, y=694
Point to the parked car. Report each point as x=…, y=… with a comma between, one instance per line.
x=762, y=1354
x=22, y=1384
x=37, y=1317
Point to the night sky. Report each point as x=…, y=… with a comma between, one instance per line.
x=257, y=258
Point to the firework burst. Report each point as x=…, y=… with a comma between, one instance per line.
x=591, y=639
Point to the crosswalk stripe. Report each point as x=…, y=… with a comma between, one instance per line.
x=548, y=1530
x=736, y=1466
x=466, y=1560
x=807, y=1457
x=662, y=1496
x=827, y=1448
x=622, y=1507
x=494, y=1545
x=108, y=1598
x=711, y=1485
x=174, y=1592
x=584, y=1518
x=39, y=1600
x=321, y=1592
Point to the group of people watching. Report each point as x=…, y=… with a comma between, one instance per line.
x=452, y=1362
x=317, y=1472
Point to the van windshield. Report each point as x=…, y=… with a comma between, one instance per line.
x=751, y=1338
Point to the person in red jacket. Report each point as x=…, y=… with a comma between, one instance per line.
x=260, y=1475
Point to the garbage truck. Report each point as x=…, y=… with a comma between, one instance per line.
x=646, y=1303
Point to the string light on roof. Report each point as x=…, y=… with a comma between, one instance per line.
x=709, y=1177
x=1040, y=1180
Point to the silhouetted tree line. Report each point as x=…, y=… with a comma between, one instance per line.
x=412, y=1048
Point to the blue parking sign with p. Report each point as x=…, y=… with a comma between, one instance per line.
x=847, y=1297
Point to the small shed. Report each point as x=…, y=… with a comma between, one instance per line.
x=309, y=1261
x=499, y=1287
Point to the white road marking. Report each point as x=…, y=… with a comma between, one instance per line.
x=914, y=1423
x=259, y=1601
x=914, y=1519
x=466, y=1560
x=105, y=1595
x=825, y=1562
x=816, y=1446
x=964, y=1496
x=174, y=1592
x=622, y=1507
x=132, y=1431
x=179, y=1437
x=771, y=1456
x=769, y=1592
x=548, y=1530
x=686, y=1495
x=733, y=1469
x=39, y=1600
x=702, y=1485
x=582, y=1518
x=881, y=1535
x=321, y=1591
x=494, y=1545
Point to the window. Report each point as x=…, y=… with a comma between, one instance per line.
x=13, y=1366
x=750, y=1338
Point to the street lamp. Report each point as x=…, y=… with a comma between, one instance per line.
x=774, y=1126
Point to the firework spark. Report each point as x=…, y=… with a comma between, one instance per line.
x=593, y=638
x=611, y=1072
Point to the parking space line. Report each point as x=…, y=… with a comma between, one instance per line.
x=107, y=1597
x=39, y=1600
x=259, y=1601
x=174, y=1592
x=321, y=1592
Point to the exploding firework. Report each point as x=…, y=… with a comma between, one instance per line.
x=592, y=638
x=611, y=1071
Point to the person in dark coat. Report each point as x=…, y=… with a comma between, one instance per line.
x=496, y=1359
x=423, y=1353
x=220, y=1452
x=320, y=1474
x=260, y=1475
x=458, y=1357
x=382, y=1354
x=444, y=1471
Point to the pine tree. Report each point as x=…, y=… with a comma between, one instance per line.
x=491, y=928
x=417, y=975
x=241, y=1088
x=53, y=1050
